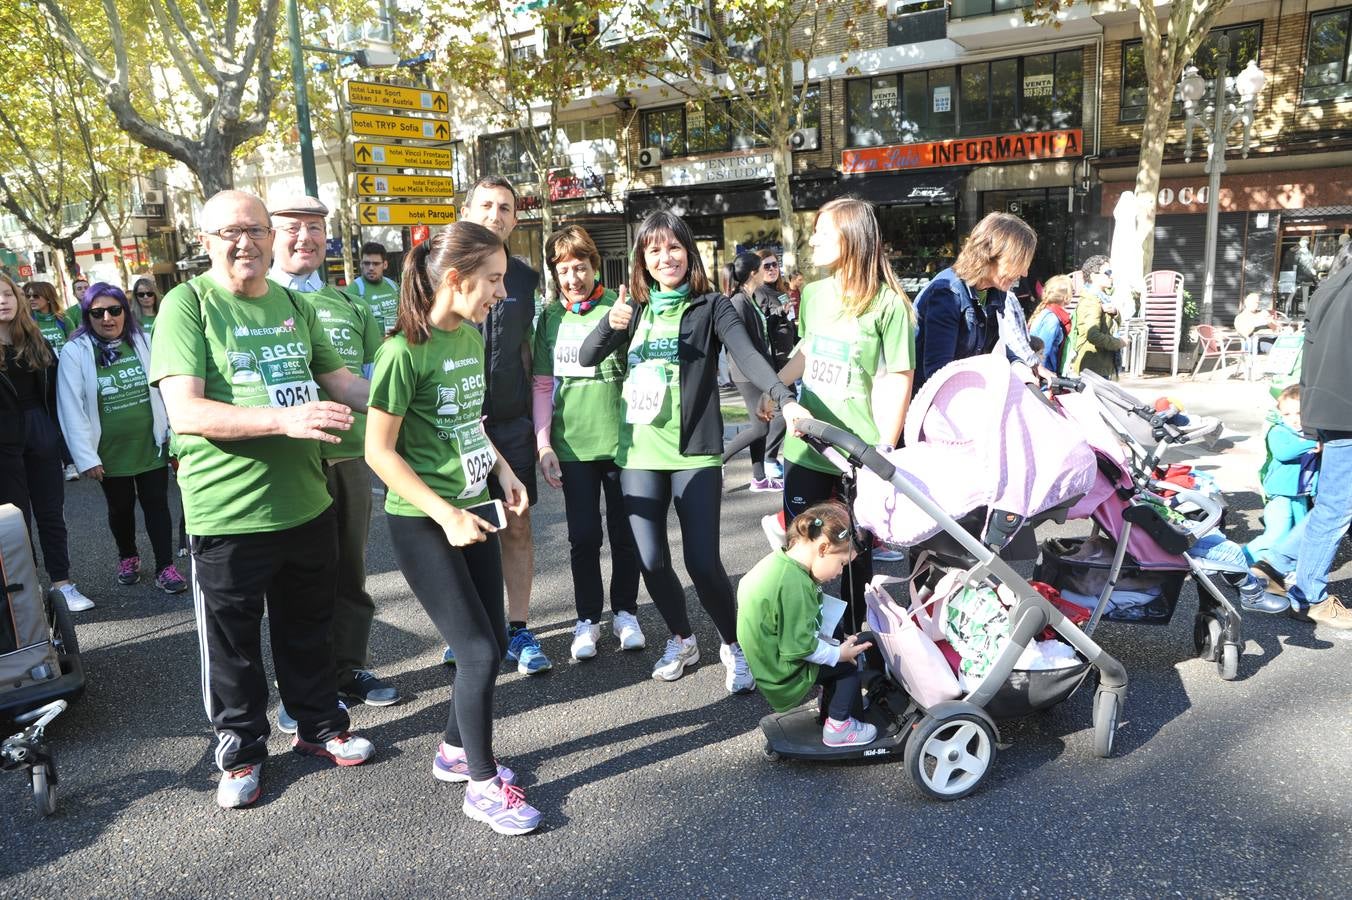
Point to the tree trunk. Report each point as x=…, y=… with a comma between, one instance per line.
x=788, y=227
x=212, y=164
x=123, y=270
x=1154, y=132
x=546, y=229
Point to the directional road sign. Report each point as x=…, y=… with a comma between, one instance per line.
x=365, y=153
x=405, y=213
x=394, y=96
x=405, y=185
x=407, y=127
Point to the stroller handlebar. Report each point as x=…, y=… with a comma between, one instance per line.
x=1070, y=385
x=822, y=435
x=1211, y=507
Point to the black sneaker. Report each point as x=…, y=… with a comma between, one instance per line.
x=366, y=688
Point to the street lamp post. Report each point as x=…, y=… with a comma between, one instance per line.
x=1219, y=116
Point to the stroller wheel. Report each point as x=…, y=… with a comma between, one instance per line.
x=948, y=758
x=44, y=791
x=1107, y=705
x=1206, y=637
x=1227, y=663
x=769, y=752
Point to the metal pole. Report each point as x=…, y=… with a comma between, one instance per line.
x=1215, y=167
x=307, y=149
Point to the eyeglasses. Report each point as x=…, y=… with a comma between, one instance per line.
x=314, y=230
x=145, y=294
x=231, y=233
x=770, y=264
x=104, y=312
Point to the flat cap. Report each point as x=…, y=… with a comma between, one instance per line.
x=299, y=205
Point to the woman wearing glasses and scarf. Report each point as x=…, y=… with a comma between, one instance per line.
x=147, y=305
x=115, y=426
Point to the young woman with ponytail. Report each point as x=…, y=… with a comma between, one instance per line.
x=425, y=440
x=762, y=438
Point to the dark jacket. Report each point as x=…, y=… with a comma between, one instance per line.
x=1326, y=370
x=12, y=428
x=951, y=324
x=1092, y=344
x=756, y=329
x=783, y=334
x=506, y=331
x=709, y=323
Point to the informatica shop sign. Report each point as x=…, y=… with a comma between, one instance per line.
x=738, y=167
x=1004, y=148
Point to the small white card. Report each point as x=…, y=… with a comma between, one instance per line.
x=832, y=610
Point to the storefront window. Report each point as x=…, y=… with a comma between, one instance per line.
x=1033, y=93
x=504, y=154
x=716, y=126
x=920, y=241
x=1328, y=60
x=1245, y=41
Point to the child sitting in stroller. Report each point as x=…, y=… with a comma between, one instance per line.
x=779, y=617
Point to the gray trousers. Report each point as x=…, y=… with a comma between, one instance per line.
x=353, y=609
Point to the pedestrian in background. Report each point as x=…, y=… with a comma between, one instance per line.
x=671, y=436
x=1050, y=321
x=147, y=305
x=116, y=429
x=30, y=442
x=56, y=326
x=379, y=293
x=763, y=439
x=1093, y=345
x=425, y=439
x=577, y=432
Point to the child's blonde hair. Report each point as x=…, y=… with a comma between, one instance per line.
x=829, y=519
x=1291, y=392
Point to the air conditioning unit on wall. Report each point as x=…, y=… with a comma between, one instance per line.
x=152, y=196
x=805, y=139
x=650, y=157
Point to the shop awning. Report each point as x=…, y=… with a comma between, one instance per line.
x=936, y=187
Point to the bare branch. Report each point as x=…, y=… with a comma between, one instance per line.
x=180, y=61
x=189, y=38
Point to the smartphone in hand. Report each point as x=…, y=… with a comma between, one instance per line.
x=492, y=512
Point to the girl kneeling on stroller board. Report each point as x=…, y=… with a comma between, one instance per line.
x=779, y=617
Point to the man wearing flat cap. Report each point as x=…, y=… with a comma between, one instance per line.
x=298, y=250
x=240, y=362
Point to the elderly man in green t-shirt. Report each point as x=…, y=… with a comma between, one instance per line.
x=298, y=245
x=240, y=362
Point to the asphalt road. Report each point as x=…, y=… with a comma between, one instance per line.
x=655, y=790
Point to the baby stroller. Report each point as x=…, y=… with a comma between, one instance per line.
x=1133, y=565
x=40, y=669
x=947, y=735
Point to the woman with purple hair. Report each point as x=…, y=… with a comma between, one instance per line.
x=116, y=428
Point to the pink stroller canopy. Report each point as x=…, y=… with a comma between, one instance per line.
x=977, y=436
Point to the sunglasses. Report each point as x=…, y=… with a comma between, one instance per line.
x=145, y=293
x=104, y=312
x=770, y=265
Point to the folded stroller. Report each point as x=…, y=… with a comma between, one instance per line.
x=946, y=731
x=1132, y=566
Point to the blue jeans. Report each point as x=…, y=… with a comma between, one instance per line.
x=1326, y=523
x=1216, y=548
x=1283, y=554
x=1280, y=515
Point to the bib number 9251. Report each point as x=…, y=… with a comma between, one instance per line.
x=295, y=393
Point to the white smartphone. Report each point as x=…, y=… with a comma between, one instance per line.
x=492, y=512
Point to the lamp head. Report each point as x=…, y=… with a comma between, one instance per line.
x=1192, y=86
x=1250, y=82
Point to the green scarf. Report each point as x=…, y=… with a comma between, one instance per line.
x=664, y=300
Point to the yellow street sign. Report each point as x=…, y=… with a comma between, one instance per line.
x=365, y=153
x=407, y=127
x=369, y=185
x=394, y=96
x=405, y=213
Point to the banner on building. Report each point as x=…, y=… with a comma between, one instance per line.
x=1003, y=148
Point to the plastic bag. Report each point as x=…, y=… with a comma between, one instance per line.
x=976, y=622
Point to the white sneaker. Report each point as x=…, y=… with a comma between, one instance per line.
x=585, y=636
x=75, y=601
x=739, y=679
x=680, y=652
x=774, y=532
x=72, y=473
x=625, y=627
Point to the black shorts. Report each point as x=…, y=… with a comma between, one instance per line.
x=515, y=440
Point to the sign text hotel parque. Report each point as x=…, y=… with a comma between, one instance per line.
x=739, y=167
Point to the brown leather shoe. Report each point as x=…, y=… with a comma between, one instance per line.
x=1331, y=613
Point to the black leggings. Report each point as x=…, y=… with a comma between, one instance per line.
x=804, y=487
x=698, y=494
x=841, y=696
x=31, y=479
x=583, y=484
x=152, y=489
x=763, y=438
x=461, y=589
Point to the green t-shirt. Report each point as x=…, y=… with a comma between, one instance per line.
x=148, y=324
x=382, y=299
x=779, y=612
x=249, y=351
x=842, y=356
x=353, y=332
x=127, y=441
x=586, y=423
x=650, y=421
x=438, y=388
x=54, y=330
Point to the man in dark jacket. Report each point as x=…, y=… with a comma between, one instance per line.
x=1326, y=413
x=507, y=341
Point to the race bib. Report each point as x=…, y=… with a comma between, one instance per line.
x=476, y=458
x=288, y=382
x=645, y=390
x=567, y=347
x=827, y=367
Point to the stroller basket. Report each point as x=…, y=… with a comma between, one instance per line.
x=1027, y=691
x=1058, y=568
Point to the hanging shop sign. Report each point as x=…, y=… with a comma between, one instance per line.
x=736, y=167
x=1249, y=192
x=1003, y=148
x=395, y=96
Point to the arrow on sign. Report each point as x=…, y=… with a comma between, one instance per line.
x=365, y=185
x=442, y=131
x=440, y=103
x=363, y=154
x=368, y=214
